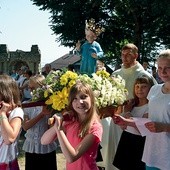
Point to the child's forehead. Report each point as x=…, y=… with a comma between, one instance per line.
x=80, y=93
x=142, y=83
x=163, y=61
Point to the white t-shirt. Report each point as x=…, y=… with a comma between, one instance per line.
x=10, y=152
x=157, y=145
x=137, y=112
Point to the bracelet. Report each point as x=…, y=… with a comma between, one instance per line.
x=2, y=117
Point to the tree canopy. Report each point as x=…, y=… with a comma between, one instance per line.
x=142, y=22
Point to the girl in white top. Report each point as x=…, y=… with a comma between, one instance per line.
x=157, y=145
x=37, y=156
x=131, y=140
x=11, y=116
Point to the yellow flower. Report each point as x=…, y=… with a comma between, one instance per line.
x=63, y=80
x=71, y=83
x=48, y=92
x=59, y=100
x=72, y=75
x=50, y=100
x=103, y=74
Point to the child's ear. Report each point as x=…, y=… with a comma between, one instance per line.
x=136, y=55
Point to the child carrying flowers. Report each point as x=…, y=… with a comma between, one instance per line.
x=79, y=137
x=37, y=156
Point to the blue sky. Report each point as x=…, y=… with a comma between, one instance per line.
x=23, y=25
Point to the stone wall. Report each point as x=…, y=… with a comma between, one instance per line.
x=13, y=60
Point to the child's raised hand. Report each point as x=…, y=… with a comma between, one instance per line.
x=58, y=121
x=78, y=45
x=5, y=107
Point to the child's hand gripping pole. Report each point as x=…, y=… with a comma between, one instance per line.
x=65, y=117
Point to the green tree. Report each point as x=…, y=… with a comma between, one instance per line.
x=143, y=22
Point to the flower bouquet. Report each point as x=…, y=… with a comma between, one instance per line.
x=109, y=91
x=55, y=91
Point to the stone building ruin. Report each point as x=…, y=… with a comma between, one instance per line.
x=14, y=60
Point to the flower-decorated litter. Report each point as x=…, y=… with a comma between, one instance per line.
x=107, y=90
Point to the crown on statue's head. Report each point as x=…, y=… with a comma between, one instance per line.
x=94, y=27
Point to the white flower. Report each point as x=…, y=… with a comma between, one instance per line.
x=108, y=90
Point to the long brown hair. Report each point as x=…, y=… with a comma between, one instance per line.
x=9, y=91
x=91, y=114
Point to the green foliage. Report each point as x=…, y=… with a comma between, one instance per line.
x=142, y=22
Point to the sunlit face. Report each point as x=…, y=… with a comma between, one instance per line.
x=90, y=36
x=142, y=90
x=128, y=58
x=164, y=69
x=81, y=103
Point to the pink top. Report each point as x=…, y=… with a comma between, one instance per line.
x=87, y=160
